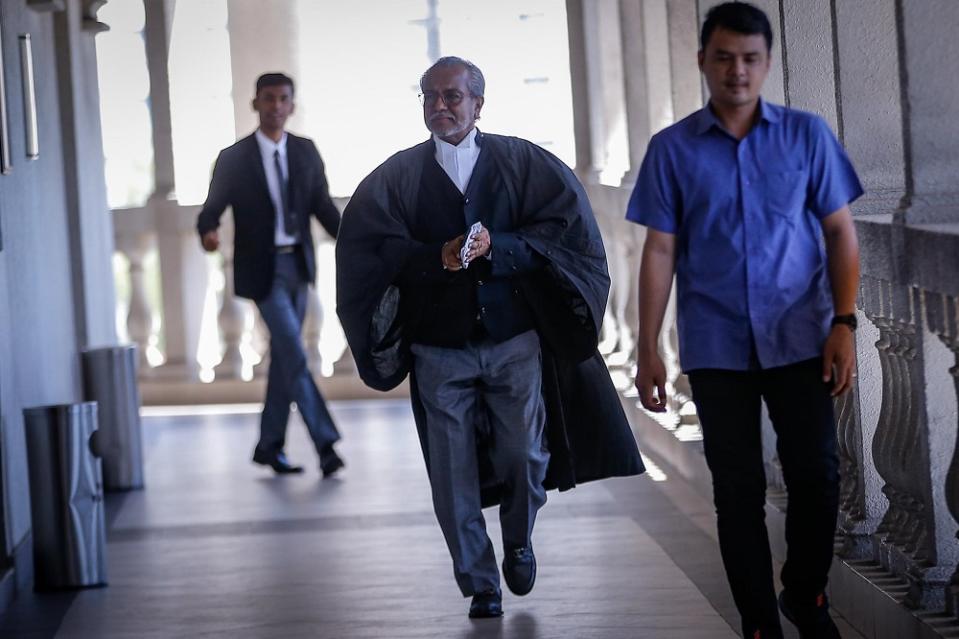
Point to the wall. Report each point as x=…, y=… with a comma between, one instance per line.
x=56, y=285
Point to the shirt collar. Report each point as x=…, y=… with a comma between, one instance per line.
x=466, y=144
x=706, y=119
x=268, y=146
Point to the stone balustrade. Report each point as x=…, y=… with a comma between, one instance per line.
x=241, y=334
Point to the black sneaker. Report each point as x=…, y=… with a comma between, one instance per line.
x=486, y=604
x=519, y=570
x=811, y=618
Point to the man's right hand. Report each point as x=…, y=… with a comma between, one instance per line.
x=652, y=375
x=210, y=240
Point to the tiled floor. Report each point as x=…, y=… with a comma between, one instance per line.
x=217, y=547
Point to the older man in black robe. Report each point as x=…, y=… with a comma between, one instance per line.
x=497, y=328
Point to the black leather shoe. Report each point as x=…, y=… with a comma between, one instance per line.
x=519, y=570
x=812, y=618
x=486, y=604
x=330, y=462
x=277, y=461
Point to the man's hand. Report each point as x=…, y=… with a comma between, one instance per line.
x=652, y=375
x=482, y=243
x=451, y=253
x=210, y=240
x=839, y=359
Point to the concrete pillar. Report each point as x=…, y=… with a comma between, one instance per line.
x=260, y=42
x=91, y=226
x=646, y=74
x=157, y=28
x=809, y=56
x=581, y=23
x=929, y=49
x=605, y=55
x=599, y=103
x=683, y=44
x=182, y=264
x=870, y=117
x=635, y=84
x=658, y=67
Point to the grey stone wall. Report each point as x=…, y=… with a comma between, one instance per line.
x=56, y=284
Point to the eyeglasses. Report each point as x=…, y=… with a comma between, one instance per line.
x=450, y=97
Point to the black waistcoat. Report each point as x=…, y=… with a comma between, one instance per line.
x=471, y=303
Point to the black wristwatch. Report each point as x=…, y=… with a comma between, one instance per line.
x=848, y=320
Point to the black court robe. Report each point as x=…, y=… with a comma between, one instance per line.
x=587, y=432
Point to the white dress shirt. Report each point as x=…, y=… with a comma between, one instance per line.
x=273, y=181
x=458, y=161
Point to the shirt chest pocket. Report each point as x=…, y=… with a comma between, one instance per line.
x=785, y=192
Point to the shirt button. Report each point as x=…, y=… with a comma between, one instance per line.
x=466, y=201
x=482, y=310
x=513, y=267
x=479, y=282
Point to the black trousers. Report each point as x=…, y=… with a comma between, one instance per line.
x=801, y=410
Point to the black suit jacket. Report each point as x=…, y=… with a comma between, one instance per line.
x=239, y=181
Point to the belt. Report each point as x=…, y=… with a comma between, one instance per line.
x=289, y=248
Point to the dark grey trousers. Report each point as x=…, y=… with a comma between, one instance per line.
x=506, y=381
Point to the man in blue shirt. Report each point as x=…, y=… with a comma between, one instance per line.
x=748, y=202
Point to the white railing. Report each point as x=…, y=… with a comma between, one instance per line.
x=191, y=328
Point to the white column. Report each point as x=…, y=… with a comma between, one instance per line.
x=581, y=23
x=636, y=86
x=683, y=45
x=275, y=33
x=182, y=265
x=659, y=81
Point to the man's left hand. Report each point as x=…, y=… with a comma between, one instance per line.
x=482, y=243
x=839, y=359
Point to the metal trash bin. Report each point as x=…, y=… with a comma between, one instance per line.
x=66, y=496
x=110, y=379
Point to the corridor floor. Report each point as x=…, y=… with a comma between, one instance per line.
x=217, y=547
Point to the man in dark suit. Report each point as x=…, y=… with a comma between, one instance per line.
x=497, y=334
x=274, y=180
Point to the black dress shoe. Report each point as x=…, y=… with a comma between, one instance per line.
x=811, y=617
x=277, y=461
x=519, y=570
x=486, y=604
x=330, y=462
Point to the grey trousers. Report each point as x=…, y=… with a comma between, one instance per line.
x=505, y=380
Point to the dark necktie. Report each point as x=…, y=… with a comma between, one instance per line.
x=289, y=218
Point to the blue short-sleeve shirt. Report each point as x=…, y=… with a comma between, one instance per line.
x=751, y=274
